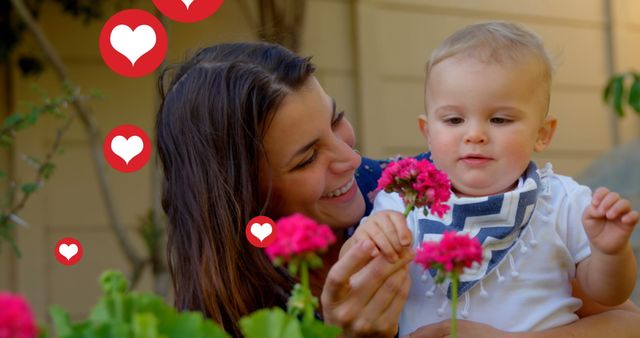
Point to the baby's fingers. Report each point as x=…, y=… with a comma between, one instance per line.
x=608, y=201
x=599, y=195
x=618, y=209
x=402, y=231
x=631, y=218
x=592, y=212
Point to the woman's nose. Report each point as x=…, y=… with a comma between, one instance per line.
x=346, y=159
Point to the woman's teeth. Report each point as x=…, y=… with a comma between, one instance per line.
x=340, y=191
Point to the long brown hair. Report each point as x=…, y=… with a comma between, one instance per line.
x=209, y=128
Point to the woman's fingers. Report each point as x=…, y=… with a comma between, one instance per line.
x=367, y=282
x=338, y=278
x=394, y=292
x=383, y=234
x=345, y=299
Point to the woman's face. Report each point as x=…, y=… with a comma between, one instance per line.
x=310, y=156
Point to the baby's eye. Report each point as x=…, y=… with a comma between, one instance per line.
x=454, y=120
x=499, y=120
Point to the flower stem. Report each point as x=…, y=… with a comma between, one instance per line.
x=454, y=303
x=408, y=210
x=304, y=278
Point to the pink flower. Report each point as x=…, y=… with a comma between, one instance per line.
x=453, y=253
x=297, y=235
x=16, y=318
x=419, y=183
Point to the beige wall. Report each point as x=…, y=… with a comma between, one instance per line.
x=370, y=56
x=395, y=37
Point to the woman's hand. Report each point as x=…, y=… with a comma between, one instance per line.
x=363, y=294
x=466, y=329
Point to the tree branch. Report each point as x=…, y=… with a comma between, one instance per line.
x=87, y=118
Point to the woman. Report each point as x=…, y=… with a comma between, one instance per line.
x=246, y=130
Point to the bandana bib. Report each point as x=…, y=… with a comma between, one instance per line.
x=497, y=221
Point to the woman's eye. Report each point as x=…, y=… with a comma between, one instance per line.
x=337, y=119
x=307, y=161
x=454, y=120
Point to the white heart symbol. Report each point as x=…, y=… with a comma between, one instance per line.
x=133, y=43
x=68, y=251
x=187, y=3
x=127, y=149
x=261, y=231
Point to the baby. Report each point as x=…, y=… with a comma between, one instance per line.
x=487, y=98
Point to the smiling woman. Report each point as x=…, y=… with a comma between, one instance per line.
x=268, y=142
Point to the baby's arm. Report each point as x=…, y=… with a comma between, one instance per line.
x=609, y=274
x=387, y=229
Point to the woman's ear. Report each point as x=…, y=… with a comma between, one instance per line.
x=545, y=133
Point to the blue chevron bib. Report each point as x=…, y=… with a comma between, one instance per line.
x=497, y=221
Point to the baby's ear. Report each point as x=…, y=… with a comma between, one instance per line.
x=422, y=124
x=545, y=133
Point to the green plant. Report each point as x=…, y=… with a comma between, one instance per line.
x=120, y=313
x=124, y=314
x=19, y=193
x=621, y=90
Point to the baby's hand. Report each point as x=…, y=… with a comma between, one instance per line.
x=609, y=221
x=388, y=230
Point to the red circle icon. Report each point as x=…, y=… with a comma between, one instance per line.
x=68, y=251
x=261, y=231
x=127, y=148
x=133, y=43
x=188, y=10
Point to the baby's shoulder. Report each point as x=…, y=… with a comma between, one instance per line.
x=560, y=186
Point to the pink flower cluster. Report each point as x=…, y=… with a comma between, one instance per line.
x=297, y=235
x=419, y=183
x=16, y=318
x=453, y=253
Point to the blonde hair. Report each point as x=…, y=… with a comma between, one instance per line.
x=494, y=42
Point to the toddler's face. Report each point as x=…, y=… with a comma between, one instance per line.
x=484, y=121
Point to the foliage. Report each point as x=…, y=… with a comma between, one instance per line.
x=129, y=314
x=43, y=168
x=123, y=314
x=12, y=29
x=623, y=90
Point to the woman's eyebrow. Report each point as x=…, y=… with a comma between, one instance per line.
x=308, y=146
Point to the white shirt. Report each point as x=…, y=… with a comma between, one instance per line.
x=539, y=297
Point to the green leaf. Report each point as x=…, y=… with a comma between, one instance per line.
x=29, y=188
x=270, y=323
x=145, y=325
x=46, y=170
x=634, y=93
x=113, y=282
x=6, y=139
x=5, y=232
x=2, y=173
x=617, y=92
x=318, y=329
x=60, y=319
x=96, y=93
x=606, y=94
x=33, y=116
x=293, y=266
x=314, y=261
x=13, y=120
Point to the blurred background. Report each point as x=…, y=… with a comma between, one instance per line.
x=370, y=56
